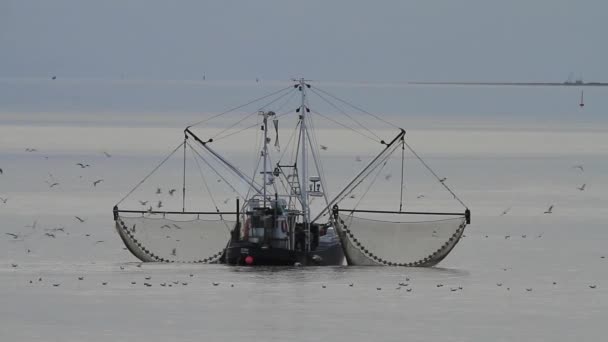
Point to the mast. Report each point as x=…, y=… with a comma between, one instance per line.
x=304, y=164
x=265, y=152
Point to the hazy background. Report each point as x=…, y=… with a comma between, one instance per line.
x=130, y=78
x=470, y=40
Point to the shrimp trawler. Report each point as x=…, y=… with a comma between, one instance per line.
x=283, y=211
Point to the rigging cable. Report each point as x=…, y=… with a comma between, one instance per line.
x=344, y=113
x=212, y=168
x=343, y=125
x=355, y=107
x=241, y=106
x=209, y=190
x=150, y=174
x=369, y=186
x=435, y=175
x=402, y=172
x=253, y=113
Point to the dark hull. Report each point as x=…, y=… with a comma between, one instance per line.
x=326, y=255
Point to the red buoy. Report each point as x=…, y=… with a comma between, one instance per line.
x=249, y=260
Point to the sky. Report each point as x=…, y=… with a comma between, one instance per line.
x=354, y=40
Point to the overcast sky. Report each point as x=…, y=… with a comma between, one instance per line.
x=527, y=40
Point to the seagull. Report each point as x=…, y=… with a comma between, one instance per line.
x=443, y=179
x=579, y=167
x=158, y=191
x=439, y=285
x=582, y=187
x=215, y=284
x=171, y=192
x=498, y=284
x=3, y=200
x=53, y=184
x=107, y=154
x=80, y=278
x=226, y=200
x=160, y=204
x=104, y=283
x=505, y=211
x=56, y=285
x=324, y=286
x=378, y=288
x=80, y=219
x=174, y=252
x=351, y=284
x=409, y=290
x=97, y=182
x=592, y=286
x=50, y=235
x=14, y=265
x=143, y=202
x=98, y=241
x=420, y=196
x=165, y=226
x=1, y=171
x=550, y=210
x=54, y=77
x=387, y=177
x=176, y=226
x=15, y=236
x=323, y=147
x=148, y=278
x=352, y=196
x=529, y=289
x=30, y=150
x=82, y=166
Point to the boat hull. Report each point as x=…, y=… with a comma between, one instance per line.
x=237, y=253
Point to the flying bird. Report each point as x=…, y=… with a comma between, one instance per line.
x=97, y=182
x=550, y=210
x=171, y=192
x=579, y=167
x=107, y=154
x=53, y=184
x=1, y=171
x=30, y=150
x=387, y=177
x=323, y=147
x=143, y=202
x=174, y=252
x=3, y=200
x=443, y=179
x=15, y=236
x=505, y=211
x=160, y=204
x=82, y=166
x=80, y=219
x=420, y=196
x=582, y=187
x=158, y=191
x=50, y=235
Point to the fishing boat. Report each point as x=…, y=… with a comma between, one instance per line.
x=284, y=211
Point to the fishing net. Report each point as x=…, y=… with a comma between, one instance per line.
x=373, y=242
x=181, y=238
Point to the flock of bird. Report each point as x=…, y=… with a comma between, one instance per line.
x=407, y=285
x=52, y=232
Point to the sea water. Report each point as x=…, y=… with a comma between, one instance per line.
x=508, y=153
